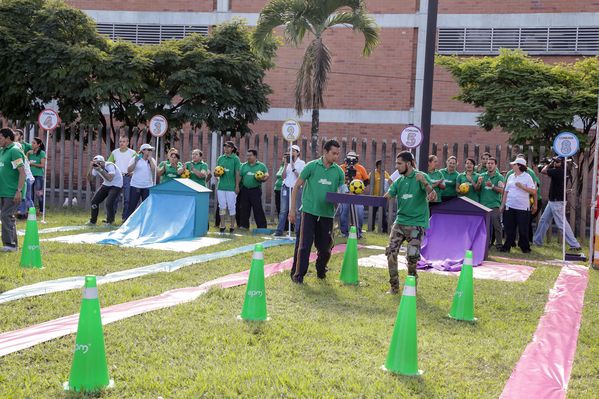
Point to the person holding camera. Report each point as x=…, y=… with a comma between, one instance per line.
x=141, y=169
x=292, y=168
x=112, y=185
x=353, y=171
x=555, y=207
x=250, y=191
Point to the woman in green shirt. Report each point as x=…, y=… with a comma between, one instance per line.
x=172, y=168
x=37, y=162
x=198, y=169
x=472, y=179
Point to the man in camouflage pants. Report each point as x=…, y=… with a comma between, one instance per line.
x=413, y=190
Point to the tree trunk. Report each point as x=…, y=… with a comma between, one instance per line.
x=315, y=130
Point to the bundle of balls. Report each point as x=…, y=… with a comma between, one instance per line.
x=259, y=175
x=464, y=188
x=219, y=171
x=186, y=173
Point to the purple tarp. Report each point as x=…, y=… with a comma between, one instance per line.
x=449, y=237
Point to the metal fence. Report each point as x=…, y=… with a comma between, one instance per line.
x=70, y=150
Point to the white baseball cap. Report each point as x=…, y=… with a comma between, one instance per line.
x=296, y=148
x=98, y=158
x=519, y=161
x=146, y=147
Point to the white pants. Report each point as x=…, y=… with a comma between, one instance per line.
x=227, y=200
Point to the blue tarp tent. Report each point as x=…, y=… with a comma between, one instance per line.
x=175, y=210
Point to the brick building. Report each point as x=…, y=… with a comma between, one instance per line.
x=378, y=96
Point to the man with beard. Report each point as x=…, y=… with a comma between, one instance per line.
x=413, y=191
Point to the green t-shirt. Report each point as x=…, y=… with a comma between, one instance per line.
x=489, y=197
x=171, y=172
x=26, y=147
x=11, y=159
x=450, y=183
x=318, y=181
x=198, y=166
x=279, y=181
x=231, y=164
x=534, y=178
x=412, y=206
x=37, y=158
x=435, y=177
x=472, y=193
x=248, y=174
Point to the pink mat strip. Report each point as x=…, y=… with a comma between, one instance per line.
x=496, y=271
x=27, y=337
x=544, y=369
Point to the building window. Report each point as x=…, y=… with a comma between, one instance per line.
x=149, y=33
x=543, y=41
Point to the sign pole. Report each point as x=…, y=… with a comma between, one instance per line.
x=290, y=189
x=564, y=212
x=45, y=174
x=291, y=131
x=592, y=236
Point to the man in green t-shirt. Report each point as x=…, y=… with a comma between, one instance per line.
x=199, y=171
x=228, y=185
x=12, y=184
x=250, y=191
x=490, y=196
x=436, y=177
x=319, y=177
x=450, y=174
x=413, y=191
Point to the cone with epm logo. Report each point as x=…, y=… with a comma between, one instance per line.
x=89, y=371
x=349, y=267
x=462, y=307
x=402, y=357
x=31, y=255
x=254, y=305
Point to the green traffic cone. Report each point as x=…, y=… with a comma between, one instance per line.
x=349, y=268
x=89, y=372
x=31, y=255
x=254, y=306
x=403, y=351
x=462, y=307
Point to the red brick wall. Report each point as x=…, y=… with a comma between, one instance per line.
x=381, y=81
x=144, y=5
x=373, y=6
x=516, y=6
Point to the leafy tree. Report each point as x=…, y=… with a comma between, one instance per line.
x=531, y=100
x=51, y=52
x=314, y=17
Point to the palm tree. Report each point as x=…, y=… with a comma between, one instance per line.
x=298, y=17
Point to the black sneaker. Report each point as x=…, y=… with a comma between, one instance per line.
x=321, y=276
x=222, y=230
x=231, y=230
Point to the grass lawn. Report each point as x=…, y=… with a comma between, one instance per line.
x=324, y=339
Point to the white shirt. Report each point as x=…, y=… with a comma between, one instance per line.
x=122, y=158
x=142, y=174
x=26, y=167
x=117, y=180
x=517, y=198
x=290, y=177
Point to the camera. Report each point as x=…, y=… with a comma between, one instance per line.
x=95, y=165
x=548, y=161
x=350, y=170
x=287, y=158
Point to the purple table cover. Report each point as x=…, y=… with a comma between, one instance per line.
x=447, y=239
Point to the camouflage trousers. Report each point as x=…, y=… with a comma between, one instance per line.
x=400, y=233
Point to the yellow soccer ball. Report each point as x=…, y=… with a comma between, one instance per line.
x=357, y=186
x=185, y=174
x=259, y=175
x=219, y=171
x=464, y=188
x=532, y=200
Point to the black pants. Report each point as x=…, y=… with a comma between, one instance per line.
x=250, y=200
x=278, y=201
x=110, y=194
x=532, y=217
x=375, y=221
x=317, y=230
x=516, y=220
x=135, y=194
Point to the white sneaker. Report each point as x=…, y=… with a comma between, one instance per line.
x=7, y=248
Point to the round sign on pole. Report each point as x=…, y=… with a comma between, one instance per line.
x=48, y=119
x=291, y=130
x=566, y=144
x=158, y=125
x=411, y=136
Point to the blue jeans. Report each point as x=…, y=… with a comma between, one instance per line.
x=38, y=188
x=285, y=209
x=554, y=210
x=26, y=202
x=344, y=219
